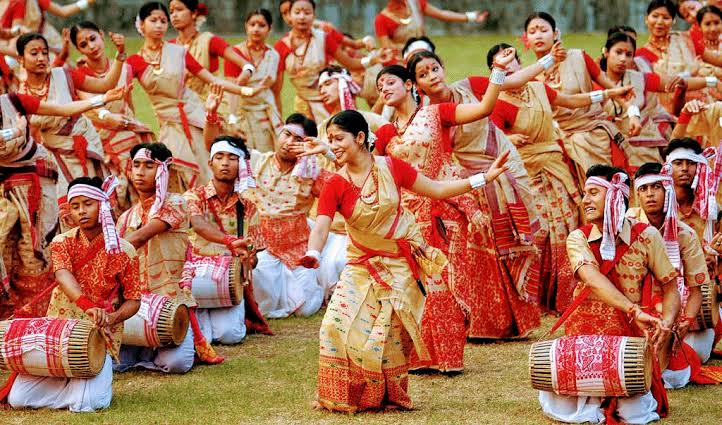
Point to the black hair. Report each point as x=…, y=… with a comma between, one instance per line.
x=494, y=51
x=313, y=3
x=685, y=142
x=708, y=9
x=151, y=7
x=282, y=2
x=620, y=28
x=158, y=151
x=90, y=181
x=236, y=142
x=396, y=70
x=309, y=126
x=24, y=39
x=352, y=122
x=541, y=15
x=414, y=39
x=349, y=35
x=263, y=12
x=648, y=168
x=617, y=37
x=667, y=4
x=192, y=5
x=333, y=69
x=84, y=25
x=418, y=57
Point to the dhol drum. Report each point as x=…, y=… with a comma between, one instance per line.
x=591, y=365
x=45, y=346
x=708, y=315
x=218, y=281
x=160, y=322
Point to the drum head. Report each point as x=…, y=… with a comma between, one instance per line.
x=96, y=351
x=181, y=320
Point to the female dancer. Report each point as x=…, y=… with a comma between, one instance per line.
x=372, y=321
x=304, y=52
x=403, y=19
x=526, y=114
x=73, y=141
x=507, y=247
x=424, y=140
x=673, y=53
x=116, y=124
x=587, y=134
x=709, y=19
x=257, y=118
x=205, y=47
x=161, y=68
x=647, y=123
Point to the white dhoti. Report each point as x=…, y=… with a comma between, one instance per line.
x=223, y=325
x=169, y=360
x=333, y=260
x=701, y=342
x=281, y=291
x=78, y=395
x=569, y=409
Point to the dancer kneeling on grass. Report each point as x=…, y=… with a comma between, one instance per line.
x=373, y=320
x=97, y=280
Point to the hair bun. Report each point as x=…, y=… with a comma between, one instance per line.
x=202, y=9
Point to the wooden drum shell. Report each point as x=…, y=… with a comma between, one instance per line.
x=170, y=330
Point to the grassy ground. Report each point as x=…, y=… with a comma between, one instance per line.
x=272, y=379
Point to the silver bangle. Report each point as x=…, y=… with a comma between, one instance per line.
x=16, y=30
x=366, y=61
x=633, y=111
x=314, y=253
x=685, y=74
x=103, y=113
x=232, y=119
x=7, y=134
x=97, y=101
x=546, y=61
x=477, y=180
x=497, y=76
x=249, y=67
x=330, y=155
x=82, y=4
x=711, y=81
x=597, y=96
x=471, y=16
x=246, y=91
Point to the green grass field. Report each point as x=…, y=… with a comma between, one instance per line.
x=271, y=380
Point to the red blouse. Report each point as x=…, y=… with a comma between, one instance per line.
x=217, y=46
x=652, y=58
x=504, y=113
x=386, y=26
x=331, y=42
x=138, y=65
x=447, y=117
x=337, y=193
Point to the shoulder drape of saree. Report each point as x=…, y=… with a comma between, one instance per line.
x=680, y=57
x=707, y=125
x=304, y=76
x=200, y=50
x=415, y=28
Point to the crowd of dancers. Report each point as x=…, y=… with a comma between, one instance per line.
x=576, y=186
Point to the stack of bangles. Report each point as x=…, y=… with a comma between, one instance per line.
x=84, y=303
x=9, y=133
x=498, y=74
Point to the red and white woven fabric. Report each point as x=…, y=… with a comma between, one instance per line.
x=161, y=179
x=150, y=308
x=38, y=346
x=347, y=88
x=614, y=210
x=589, y=365
x=211, y=279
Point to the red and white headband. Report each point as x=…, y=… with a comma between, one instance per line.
x=347, y=88
x=112, y=241
x=245, y=179
x=161, y=179
x=671, y=230
x=614, y=210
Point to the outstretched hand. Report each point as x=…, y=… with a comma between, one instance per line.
x=119, y=41
x=503, y=59
x=308, y=262
x=558, y=52
x=312, y=146
x=497, y=167
x=215, y=96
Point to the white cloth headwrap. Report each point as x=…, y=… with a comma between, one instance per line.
x=161, y=180
x=112, y=241
x=671, y=230
x=705, y=183
x=306, y=166
x=614, y=210
x=415, y=47
x=245, y=179
x=347, y=88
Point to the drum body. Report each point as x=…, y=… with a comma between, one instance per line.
x=160, y=322
x=217, y=281
x=591, y=365
x=45, y=346
x=708, y=315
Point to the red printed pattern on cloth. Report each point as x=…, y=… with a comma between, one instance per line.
x=585, y=361
x=211, y=279
x=286, y=237
x=44, y=334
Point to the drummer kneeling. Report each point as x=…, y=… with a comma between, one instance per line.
x=611, y=257
x=97, y=277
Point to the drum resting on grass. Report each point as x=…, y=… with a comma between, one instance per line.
x=44, y=346
x=217, y=281
x=159, y=322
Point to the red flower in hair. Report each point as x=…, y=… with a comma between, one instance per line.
x=524, y=40
x=202, y=9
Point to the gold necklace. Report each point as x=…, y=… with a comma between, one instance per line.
x=522, y=95
x=153, y=61
x=370, y=198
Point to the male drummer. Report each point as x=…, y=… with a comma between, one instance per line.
x=658, y=207
x=157, y=226
x=220, y=220
x=611, y=257
x=94, y=270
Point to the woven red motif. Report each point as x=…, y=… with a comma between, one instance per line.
x=47, y=335
x=588, y=360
